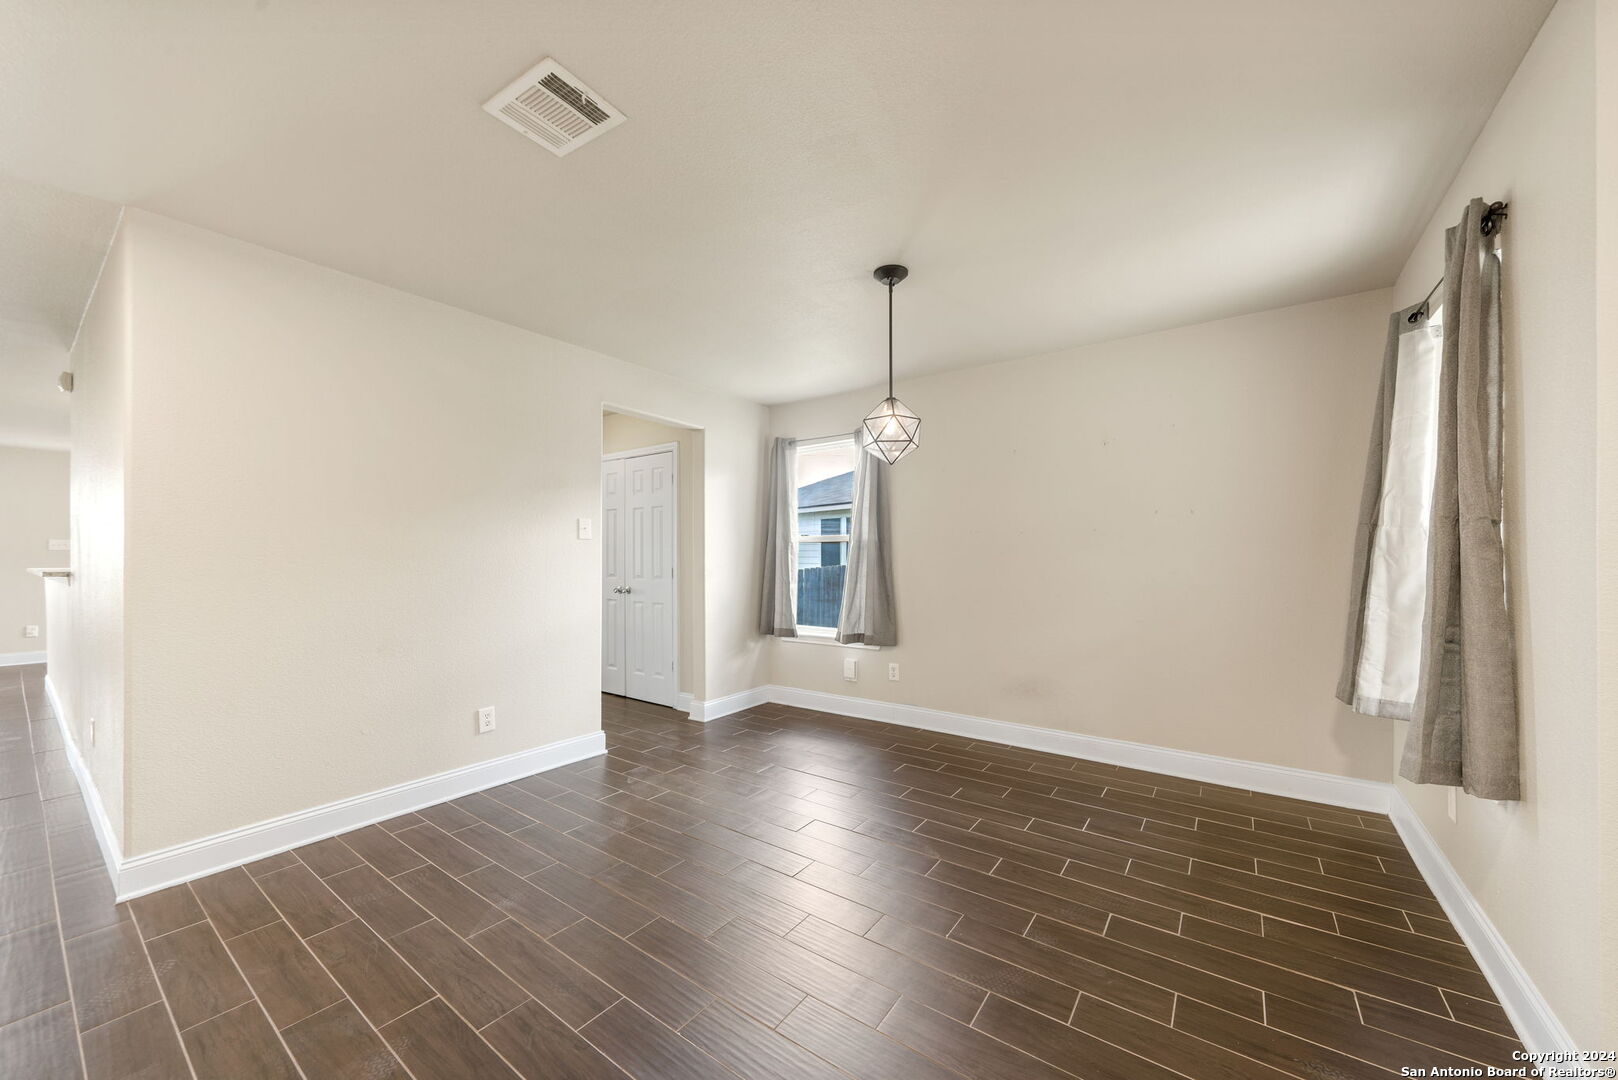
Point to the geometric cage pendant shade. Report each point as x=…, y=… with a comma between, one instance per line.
x=892, y=430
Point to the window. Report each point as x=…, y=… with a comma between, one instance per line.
x=825, y=483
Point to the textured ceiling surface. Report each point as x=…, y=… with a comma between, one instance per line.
x=1054, y=172
x=51, y=247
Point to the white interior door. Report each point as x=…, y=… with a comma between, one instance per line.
x=612, y=576
x=638, y=567
x=649, y=630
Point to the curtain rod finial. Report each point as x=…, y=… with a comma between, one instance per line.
x=1493, y=216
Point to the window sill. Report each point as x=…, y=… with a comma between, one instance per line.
x=815, y=637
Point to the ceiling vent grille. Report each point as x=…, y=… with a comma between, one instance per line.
x=553, y=108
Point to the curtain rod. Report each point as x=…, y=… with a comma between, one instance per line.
x=827, y=438
x=1492, y=217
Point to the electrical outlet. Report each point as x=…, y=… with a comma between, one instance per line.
x=485, y=719
x=30, y=631
x=851, y=670
x=58, y=545
x=893, y=672
x=1451, y=806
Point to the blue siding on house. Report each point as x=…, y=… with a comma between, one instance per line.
x=822, y=511
x=821, y=523
x=831, y=554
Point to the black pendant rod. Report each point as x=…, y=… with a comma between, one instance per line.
x=1492, y=217
x=890, y=275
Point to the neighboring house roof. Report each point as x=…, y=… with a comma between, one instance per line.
x=833, y=491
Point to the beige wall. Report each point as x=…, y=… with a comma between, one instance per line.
x=1607, y=490
x=87, y=658
x=350, y=521
x=622, y=432
x=33, y=512
x=1147, y=539
x=1530, y=863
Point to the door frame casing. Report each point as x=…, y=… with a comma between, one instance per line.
x=674, y=532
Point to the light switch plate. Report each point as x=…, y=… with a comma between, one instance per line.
x=58, y=545
x=586, y=529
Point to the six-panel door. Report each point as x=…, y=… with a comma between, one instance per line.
x=638, y=568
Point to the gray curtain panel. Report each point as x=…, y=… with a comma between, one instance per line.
x=868, y=615
x=1373, y=700
x=1461, y=699
x=778, y=604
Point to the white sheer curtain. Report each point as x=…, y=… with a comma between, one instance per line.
x=1389, y=671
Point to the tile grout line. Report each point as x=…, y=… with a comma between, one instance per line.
x=502, y=1016
x=652, y=781
x=162, y=991
x=50, y=867
x=316, y=957
x=387, y=943
x=251, y=989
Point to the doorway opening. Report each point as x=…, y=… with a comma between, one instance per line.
x=651, y=541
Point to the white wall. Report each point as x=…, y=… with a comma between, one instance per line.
x=1530, y=863
x=350, y=521
x=86, y=664
x=1146, y=539
x=33, y=512
x=621, y=432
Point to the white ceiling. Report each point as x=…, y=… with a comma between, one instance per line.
x=1053, y=171
x=51, y=247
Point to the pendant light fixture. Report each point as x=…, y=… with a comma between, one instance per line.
x=891, y=429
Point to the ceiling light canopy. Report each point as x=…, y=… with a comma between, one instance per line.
x=892, y=430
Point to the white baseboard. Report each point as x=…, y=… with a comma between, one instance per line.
x=18, y=659
x=159, y=869
x=1530, y=1013
x=714, y=708
x=170, y=866
x=1342, y=791
x=100, y=824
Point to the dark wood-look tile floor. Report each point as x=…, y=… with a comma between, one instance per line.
x=779, y=894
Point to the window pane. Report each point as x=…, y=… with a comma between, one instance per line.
x=825, y=484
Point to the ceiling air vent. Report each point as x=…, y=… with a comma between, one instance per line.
x=553, y=108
